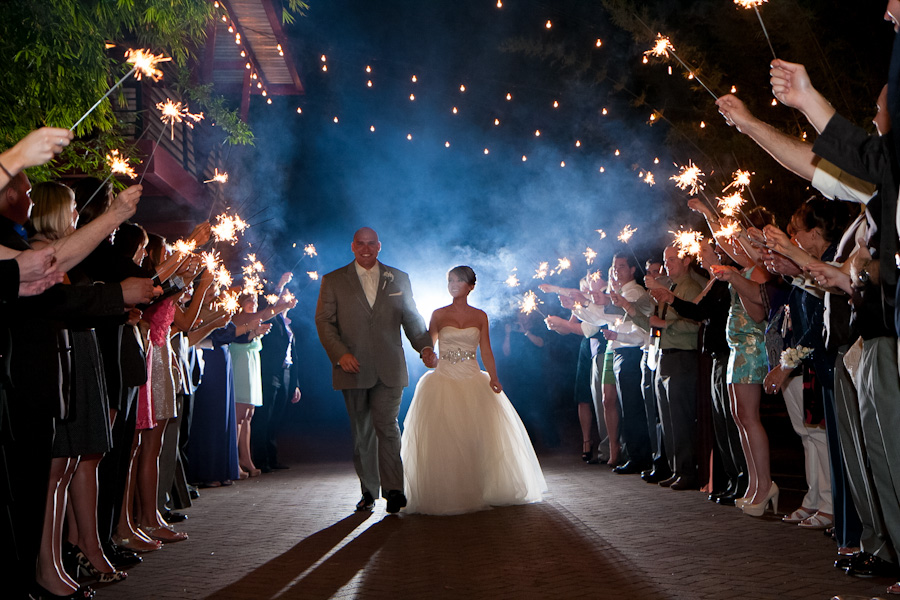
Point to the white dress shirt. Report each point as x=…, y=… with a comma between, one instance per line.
x=369, y=280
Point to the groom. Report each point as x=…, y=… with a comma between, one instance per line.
x=360, y=311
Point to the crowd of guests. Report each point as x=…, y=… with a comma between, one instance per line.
x=681, y=352
x=124, y=378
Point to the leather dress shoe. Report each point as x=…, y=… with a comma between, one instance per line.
x=727, y=499
x=684, y=483
x=655, y=475
x=629, y=468
x=668, y=482
x=121, y=558
x=193, y=492
x=173, y=516
x=845, y=561
x=870, y=566
x=367, y=502
x=395, y=501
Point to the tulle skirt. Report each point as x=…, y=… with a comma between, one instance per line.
x=464, y=448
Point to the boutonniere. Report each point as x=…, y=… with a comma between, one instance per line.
x=387, y=276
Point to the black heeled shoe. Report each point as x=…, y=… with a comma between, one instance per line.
x=84, y=565
x=82, y=593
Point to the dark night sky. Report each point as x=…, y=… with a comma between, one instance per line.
x=435, y=207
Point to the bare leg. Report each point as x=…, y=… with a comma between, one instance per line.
x=584, y=419
x=240, y=415
x=84, y=510
x=126, y=529
x=611, y=415
x=49, y=572
x=745, y=443
x=245, y=458
x=148, y=481
x=747, y=397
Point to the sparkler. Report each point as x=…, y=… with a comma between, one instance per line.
x=271, y=298
x=626, y=233
x=144, y=64
x=183, y=247
x=310, y=250
x=222, y=277
x=529, y=303
x=649, y=179
x=562, y=264
x=512, y=281
x=220, y=177
x=754, y=4
x=689, y=178
x=313, y=275
x=589, y=255
x=729, y=230
x=541, y=271
x=741, y=180
x=229, y=302
x=118, y=165
x=731, y=205
x=662, y=48
x=688, y=242
x=227, y=228
x=288, y=296
x=601, y=232
x=174, y=112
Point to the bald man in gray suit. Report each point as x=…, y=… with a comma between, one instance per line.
x=361, y=309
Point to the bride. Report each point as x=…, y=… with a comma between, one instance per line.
x=464, y=448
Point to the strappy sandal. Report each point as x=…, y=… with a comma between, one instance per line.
x=894, y=589
x=798, y=516
x=817, y=521
x=154, y=534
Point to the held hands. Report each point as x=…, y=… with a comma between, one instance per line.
x=777, y=240
x=429, y=357
x=134, y=315
x=610, y=335
x=734, y=111
x=779, y=265
x=697, y=205
x=657, y=322
x=35, y=288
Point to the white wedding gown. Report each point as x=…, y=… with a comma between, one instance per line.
x=464, y=447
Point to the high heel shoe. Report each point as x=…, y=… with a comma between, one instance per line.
x=164, y=534
x=251, y=472
x=131, y=544
x=82, y=593
x=759, y=509
x=84, y=565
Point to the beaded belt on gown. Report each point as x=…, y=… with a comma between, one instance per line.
x=458, y=355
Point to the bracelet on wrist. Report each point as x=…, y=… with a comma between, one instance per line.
x=5, y=170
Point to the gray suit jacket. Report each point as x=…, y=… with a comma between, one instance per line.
x=347, y=324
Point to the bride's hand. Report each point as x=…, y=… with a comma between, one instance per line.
x=495, y=385
x=429, y=357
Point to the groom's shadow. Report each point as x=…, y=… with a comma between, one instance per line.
x=279, y=576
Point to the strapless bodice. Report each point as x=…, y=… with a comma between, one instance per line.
x=453, y=339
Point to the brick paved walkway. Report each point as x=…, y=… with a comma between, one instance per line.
x=292, y=534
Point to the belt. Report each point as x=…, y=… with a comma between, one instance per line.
x=455, y=356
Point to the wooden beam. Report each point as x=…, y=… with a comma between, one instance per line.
x=274, y=15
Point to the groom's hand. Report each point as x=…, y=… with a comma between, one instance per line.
x=349, y=364
x=429, y=358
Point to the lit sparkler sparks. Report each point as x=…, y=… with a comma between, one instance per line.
x=688, y=242
x=649, y=179
x=254, y=265
x=222, y=277
x=731, y=205
x=529, y=303
x=626, y=233
x=562, y=264
x=661, y=47
x=512, y=281
x=184, y=247
x=310, y=250
x=729, y=230
x=119, y=164
x=220, y=177
x=227, y=228
x=688, y=178
x=596, y=276
x=175, y=112
x=741, y=180
x=601, y=232
x=589, y=255
x=287, y=296
x=314, y=275
x=145, y=63
x=542, y=271
x=229, y=302
x=750, y=3
x=271, y=299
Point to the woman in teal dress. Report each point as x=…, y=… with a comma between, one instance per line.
x=247, y=382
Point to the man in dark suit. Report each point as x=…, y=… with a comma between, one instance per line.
x=280, y=383
x=358, y=318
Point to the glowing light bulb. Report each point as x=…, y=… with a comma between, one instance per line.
x=224, y=19
x=243, y=54
x=734, y=89
x=555, y=104
x=462, y=88
x=524, y=158
x=598, y=43
x=774, y=102
x=216, y=3
x=486, y=151
x=324, y=68
x=602, y=170
x=254, y=76
x=499, y=3
x=335, y=119
x=237, y=39
x=446, y=144
x=644, y=60
x=299, y=111
x=537, y=133
x=230, y=29
x=656, y=161
x=264, y=93
x=617, y=152
x=578, y=143
x=509, y=96
x=371, y=128
x=690, y=75
x=548, y=24
x=653, y=117
x=562, y=163
x=368, y=69
x=604, y=111
x=702, y=124
x=409, y=136
x=369, y=83
x=247, y=66
x=455, y=110
x=496, y=122
x=323, y=58
x=269, y=101
x=670, y=69
x=412, y=97
x=804, y=135
x=414, y=79
x=259, y=84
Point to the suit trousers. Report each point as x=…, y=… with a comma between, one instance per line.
x=728, y=438
x=874, y=537
x=172, y=491
x=651, y=410
x=815, y=450
x=112, y=473
x=267, y=419
x=376, y=437
x=676, y=393
x=879, y=411
x=633, y=425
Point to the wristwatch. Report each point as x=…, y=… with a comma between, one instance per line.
x=863, y=277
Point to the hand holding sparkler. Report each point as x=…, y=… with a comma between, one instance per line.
x=791, y=86
x=285, y=279
x=777, y=240
x=662, y=295
x=124, y=205
x=830, y=277
x=736, y=112
x=138, y=290
x=201, y=234
x=36, y=148
x=779, y=265
x=724, y=272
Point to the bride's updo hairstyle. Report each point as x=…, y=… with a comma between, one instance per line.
x=464, y=273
